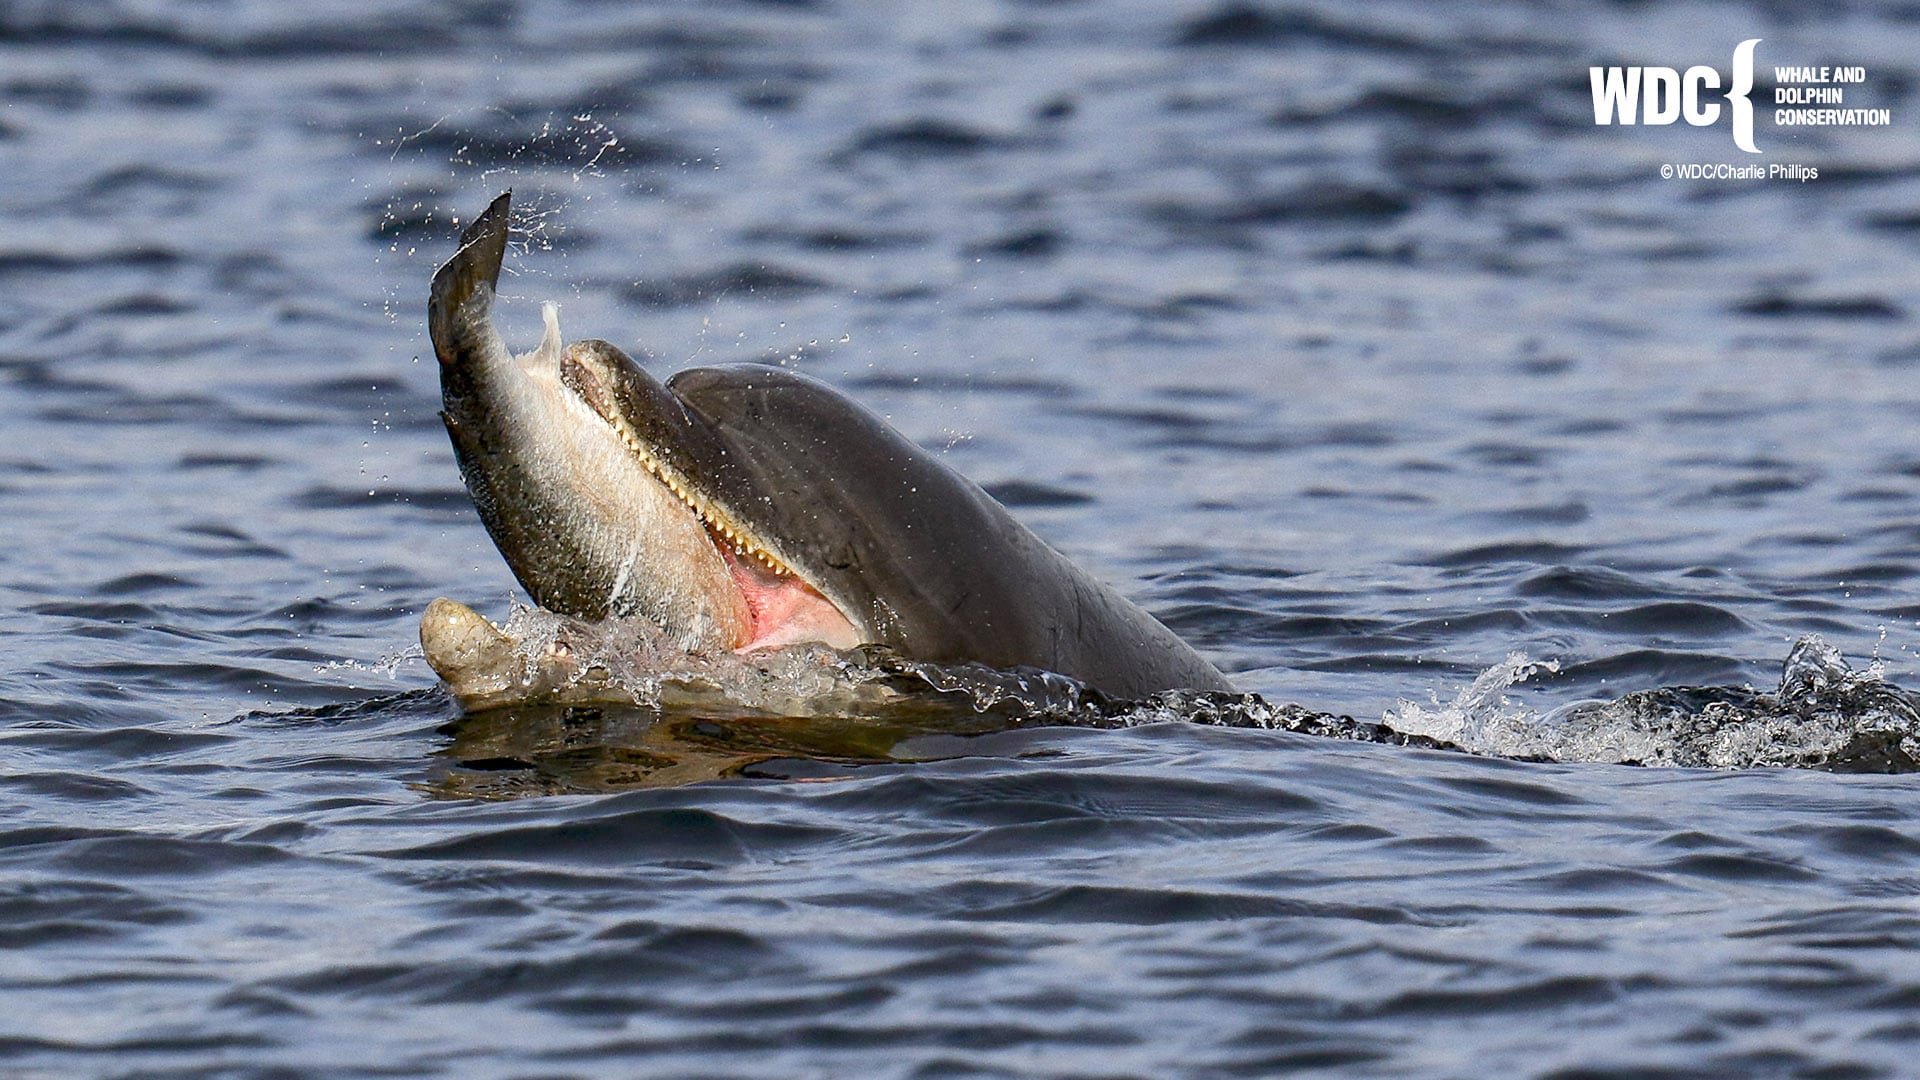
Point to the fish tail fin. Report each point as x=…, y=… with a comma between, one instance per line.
x=459, y=311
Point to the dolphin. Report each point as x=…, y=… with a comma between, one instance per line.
x=744, y=506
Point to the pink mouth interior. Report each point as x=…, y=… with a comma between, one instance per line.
x=783, y=608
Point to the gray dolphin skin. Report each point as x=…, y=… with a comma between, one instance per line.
x=745, y=506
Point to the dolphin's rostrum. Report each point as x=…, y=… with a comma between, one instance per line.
x=744, y=506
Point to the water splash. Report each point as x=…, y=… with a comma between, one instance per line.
x=1825, y=714
x=538, y=657
x=387, y=667
x=1480, y=717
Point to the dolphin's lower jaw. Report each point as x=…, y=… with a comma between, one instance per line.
x=747, y=506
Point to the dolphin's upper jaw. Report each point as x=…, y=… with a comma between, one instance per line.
x=785, y=608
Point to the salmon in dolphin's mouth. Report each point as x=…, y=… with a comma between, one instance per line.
x=569, y=455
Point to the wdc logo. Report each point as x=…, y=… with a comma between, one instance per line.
x=1661, y=95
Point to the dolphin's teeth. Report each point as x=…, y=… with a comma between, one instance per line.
x=692, y=501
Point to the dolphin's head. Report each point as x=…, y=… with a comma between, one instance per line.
x=607, y=492
x=754, y=452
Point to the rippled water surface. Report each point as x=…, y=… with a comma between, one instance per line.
x=1338, y=336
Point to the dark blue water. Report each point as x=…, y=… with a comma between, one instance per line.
x=1338, y=336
